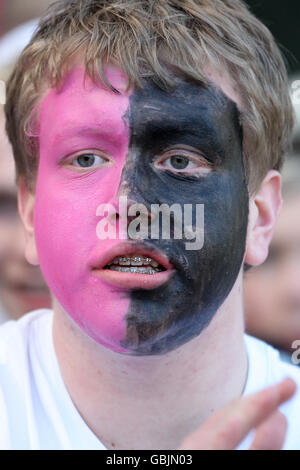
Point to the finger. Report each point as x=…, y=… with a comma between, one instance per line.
x=254, y=409
x=228, y=427
x=270, y=435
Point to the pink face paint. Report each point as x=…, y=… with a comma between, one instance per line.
x=75, y=118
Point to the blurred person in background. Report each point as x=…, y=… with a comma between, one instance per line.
x=21, y=285
x=272, y=290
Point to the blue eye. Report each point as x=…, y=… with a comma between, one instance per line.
x=179, y=162
x=185, y=161
x=89, y=160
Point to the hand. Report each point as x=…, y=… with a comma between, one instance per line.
x=227, y=428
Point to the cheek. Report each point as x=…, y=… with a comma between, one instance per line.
x=61, y=229
x=65, y=232
x=66, y=208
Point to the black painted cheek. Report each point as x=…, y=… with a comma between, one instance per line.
x=163, y=319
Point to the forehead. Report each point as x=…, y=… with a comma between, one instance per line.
x=82, y=102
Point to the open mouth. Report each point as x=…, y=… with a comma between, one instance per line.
x=136, y=264
x=131, y=267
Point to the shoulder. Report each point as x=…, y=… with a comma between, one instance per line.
x=266, y=365
x=17, y=341
x=18, y=350
x=266, y=368
x=15, y=336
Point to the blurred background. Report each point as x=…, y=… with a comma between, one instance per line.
x=282, y=18
x=272, y=291
x=22, y=288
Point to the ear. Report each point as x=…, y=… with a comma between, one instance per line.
x=26, y=201
x=263, y=213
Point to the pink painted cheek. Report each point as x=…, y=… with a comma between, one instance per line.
x=65, y=235
x=65, y=232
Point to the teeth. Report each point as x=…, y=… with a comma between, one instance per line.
x=135, y=260
x=137, y=270
x=153, y=263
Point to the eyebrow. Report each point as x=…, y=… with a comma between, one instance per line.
x=160, y=129
x=86, y=131
x=77, y=130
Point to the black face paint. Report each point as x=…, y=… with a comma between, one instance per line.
x=162, y=319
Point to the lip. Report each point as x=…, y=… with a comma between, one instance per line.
x=132, y=280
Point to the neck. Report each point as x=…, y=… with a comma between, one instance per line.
x=167, y=397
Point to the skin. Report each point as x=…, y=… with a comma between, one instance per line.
x=135, y=130
x=164, y=395
x=272, y=290
x=22, y=287
x=191, y=116
x=67, y=201
x=259, y=411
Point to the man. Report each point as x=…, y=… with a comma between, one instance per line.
x=175, y=111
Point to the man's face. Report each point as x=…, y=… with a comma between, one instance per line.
x=21, y=286
x=180, y=147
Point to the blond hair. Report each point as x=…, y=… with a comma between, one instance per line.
x=139, y=35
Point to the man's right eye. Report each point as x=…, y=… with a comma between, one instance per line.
x=89, y=160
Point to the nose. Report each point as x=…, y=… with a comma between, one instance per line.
x=132, y=218
x=131, y=211
x=135, y=208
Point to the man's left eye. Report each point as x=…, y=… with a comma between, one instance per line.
x=179, y=162
x=89, y=160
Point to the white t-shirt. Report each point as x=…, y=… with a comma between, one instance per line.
x=4, y=316
x=37, y=413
